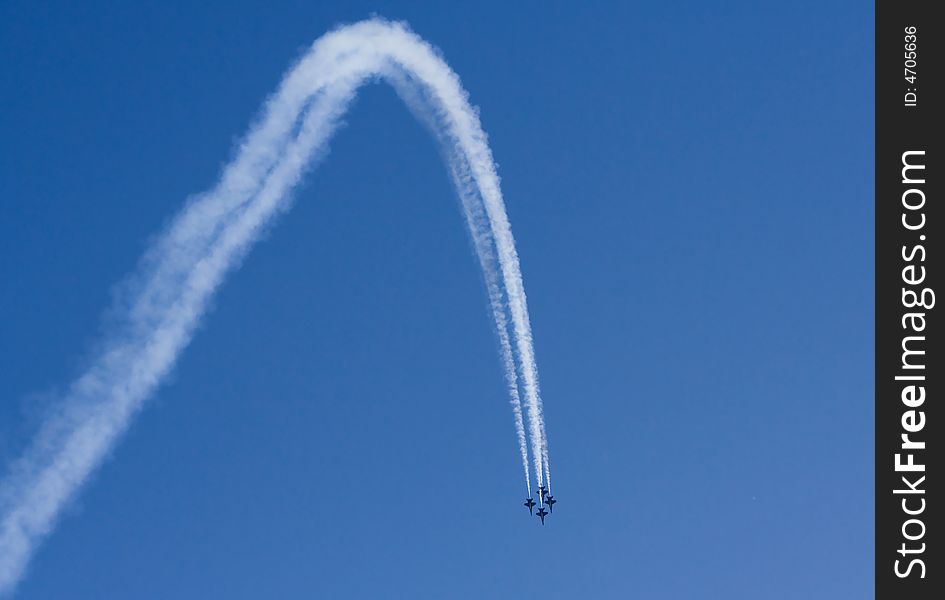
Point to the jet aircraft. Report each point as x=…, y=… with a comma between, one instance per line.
x=542, y=513
x=550, y=501
x=530, y=504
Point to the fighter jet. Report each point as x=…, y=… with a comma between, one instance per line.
x=542, y=513
x=530, y=504
x=550, y=501
x=541, y=492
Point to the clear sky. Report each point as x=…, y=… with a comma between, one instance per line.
x=690, y=188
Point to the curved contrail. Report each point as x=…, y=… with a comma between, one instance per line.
x=172, y=285
x=417, y=98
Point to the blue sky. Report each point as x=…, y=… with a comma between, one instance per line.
x=690, y=188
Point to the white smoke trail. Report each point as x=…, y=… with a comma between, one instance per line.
x=417, y=98
x=487, y=262
x=179, y=274
x=472, y=208
x=460, y=131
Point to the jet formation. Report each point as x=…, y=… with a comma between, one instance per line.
x=544, y=499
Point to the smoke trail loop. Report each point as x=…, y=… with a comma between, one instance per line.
x=165, y=299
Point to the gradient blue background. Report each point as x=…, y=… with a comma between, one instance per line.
x=691, y=192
